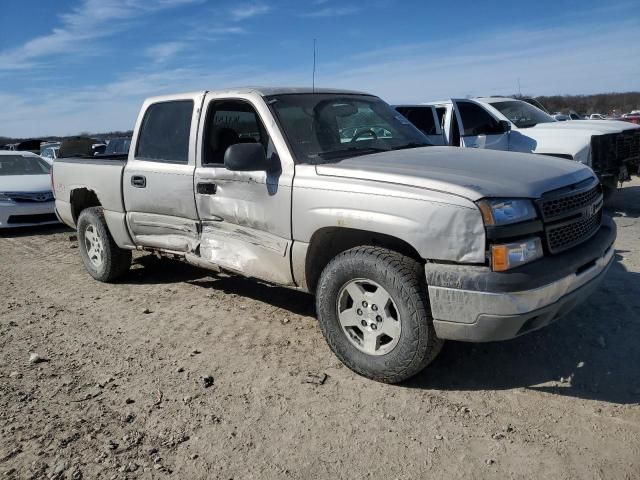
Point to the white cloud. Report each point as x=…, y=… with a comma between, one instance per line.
x=92, y=20
x=581, y=59
x=248, y=11
x=162, y=52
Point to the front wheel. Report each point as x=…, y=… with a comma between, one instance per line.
x=102, y=258
x=374, y=313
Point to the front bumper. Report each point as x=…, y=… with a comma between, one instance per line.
x=25, y=214
x=476, y=305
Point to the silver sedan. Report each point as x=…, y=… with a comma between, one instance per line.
x=26, y=198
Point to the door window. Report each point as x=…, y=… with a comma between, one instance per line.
x=164, y=134
x=421, y=117
x=477, y=121
x=230, y=122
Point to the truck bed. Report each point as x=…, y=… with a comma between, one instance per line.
x=101, y=177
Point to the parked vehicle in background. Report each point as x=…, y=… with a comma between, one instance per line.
x=32, y=145
x=535, y=103
x=597, y=116
x=98, y=148
x=561, y=117
x=50, y=152
x=25, y=190
x=336, y=194
x=76, y=147
x=611, y=148
x=631, y=118
x=570, y=115
x=117, y=146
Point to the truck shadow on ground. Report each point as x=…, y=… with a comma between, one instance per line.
x=149, y=270
x=591, y=354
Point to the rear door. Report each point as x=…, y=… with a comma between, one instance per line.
x=478, y=128
x=158, y=178
x=425, y=118
x=246, y=216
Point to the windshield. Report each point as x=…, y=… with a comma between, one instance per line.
x=521, y=113
x=330, y=127
x=19, y=165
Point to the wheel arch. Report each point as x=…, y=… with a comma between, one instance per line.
x=80, y=199
x=328, y=242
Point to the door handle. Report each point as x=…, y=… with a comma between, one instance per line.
x=139, y=181
x=206, y=188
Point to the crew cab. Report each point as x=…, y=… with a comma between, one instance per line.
x=610, y=148
x=334, y=193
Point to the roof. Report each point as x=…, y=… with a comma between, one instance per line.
x=496, y=99
x=262, y=91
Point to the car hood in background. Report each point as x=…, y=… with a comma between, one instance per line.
x=470, y=173
x=594, y=126
x=25, y=183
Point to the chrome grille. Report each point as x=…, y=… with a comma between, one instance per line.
x=571, y=215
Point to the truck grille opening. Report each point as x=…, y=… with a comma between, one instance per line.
x=559, y=207
x=36, y=218
x=571, y=215
x=612, y=151
x=566, y=236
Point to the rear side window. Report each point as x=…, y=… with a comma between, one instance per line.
x=164, y=134
x=421, y=117
x=477, y=121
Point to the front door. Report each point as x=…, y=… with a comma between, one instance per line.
x=158, y=178
x=478, y=128
x=246, y=216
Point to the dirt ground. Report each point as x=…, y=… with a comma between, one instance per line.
x=178, y=372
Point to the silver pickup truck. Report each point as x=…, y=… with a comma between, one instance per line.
x=337, y=194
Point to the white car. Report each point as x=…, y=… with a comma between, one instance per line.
x=610, y=148
x=50, y=152
x=26, y=198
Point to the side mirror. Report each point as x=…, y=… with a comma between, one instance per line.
x=506, y=126
x=246, y=157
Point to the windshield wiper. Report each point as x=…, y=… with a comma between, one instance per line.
x=349, y=152
x=412, y=145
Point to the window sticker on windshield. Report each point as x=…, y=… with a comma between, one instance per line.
x=402, y=120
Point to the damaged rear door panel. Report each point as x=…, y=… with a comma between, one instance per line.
x=157, y=183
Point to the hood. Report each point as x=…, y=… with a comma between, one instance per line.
x=593, y=127
x=25, y=183
x=469, y=173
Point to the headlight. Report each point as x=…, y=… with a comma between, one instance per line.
x=504, y=211
x=509, y=255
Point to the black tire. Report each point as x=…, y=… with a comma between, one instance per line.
x=403, y=279
x=115, y=260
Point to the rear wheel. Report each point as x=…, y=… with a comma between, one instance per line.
x=374, y=313
x=102, y=258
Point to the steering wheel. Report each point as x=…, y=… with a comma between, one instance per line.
x=360, y=133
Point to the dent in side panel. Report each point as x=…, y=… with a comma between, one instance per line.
x=246, y=251
x=161, y=231
x=437, y=230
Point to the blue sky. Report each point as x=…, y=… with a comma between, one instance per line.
x=68, y=66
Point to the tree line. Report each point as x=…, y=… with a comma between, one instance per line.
x=605, y=103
